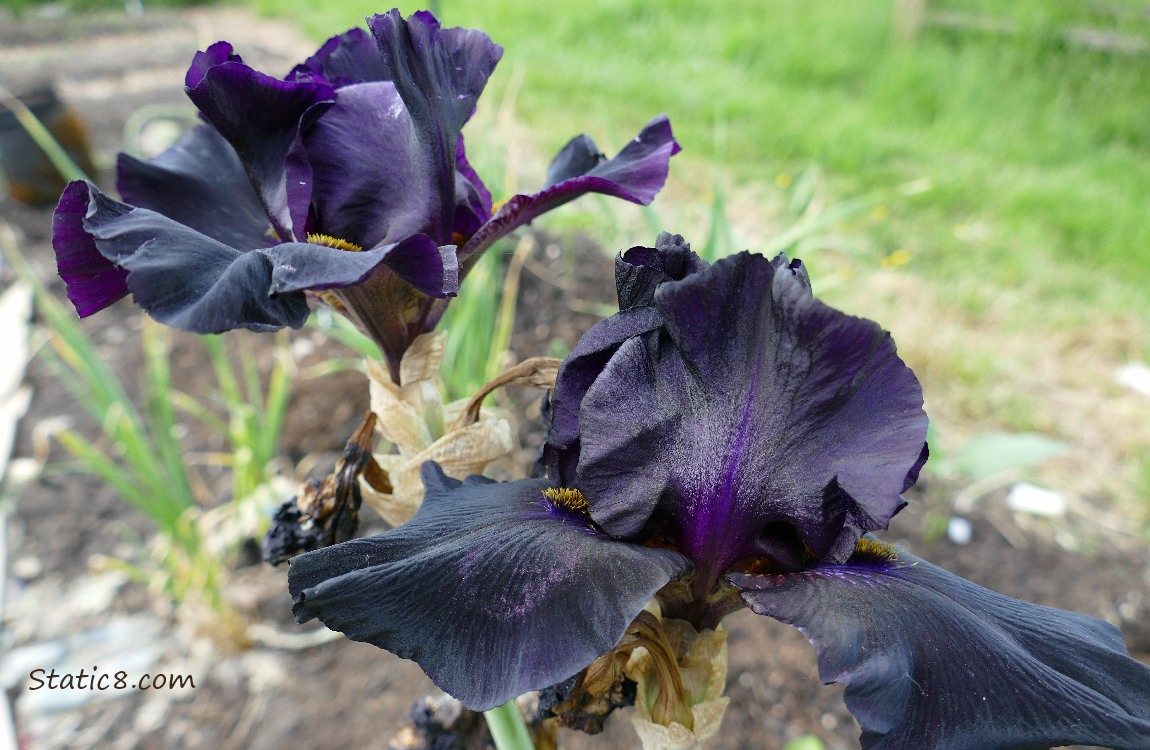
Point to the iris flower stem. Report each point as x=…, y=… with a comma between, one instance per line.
x=507, y=727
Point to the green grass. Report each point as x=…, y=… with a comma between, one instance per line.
x=1029, y=259
x=1042, y=144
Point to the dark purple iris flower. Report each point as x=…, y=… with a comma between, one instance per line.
x=346, y=180
x=732, y=436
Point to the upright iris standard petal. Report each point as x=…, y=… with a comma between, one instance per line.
x=640, y=270
x=494, y=588
x=931, y=660
x=261, y=117
x=576, y=374
x=439, y=74
x=359, y=196
x=472, y=198
x=345, y=59
x=760, y=422
x=636, y=174
x=637, y=273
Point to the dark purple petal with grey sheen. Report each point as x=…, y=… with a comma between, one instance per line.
x=472, y=198
x=185, y=279
x=373, y=184
x=638, y=272
x=91, y=281
x=636, y=174
x=493, y=590
x=760, y=422
x=931, y=660
x=351, y=57
x=261, y=117
x=299, y=266
x=439, y=74
x=201, y=183
x=576, y=374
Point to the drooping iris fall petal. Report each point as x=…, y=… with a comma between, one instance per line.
x=189, y=280
x=91, y=281
x=199, y=182
x=932, y=660
x=492, y=588
x=635, y=174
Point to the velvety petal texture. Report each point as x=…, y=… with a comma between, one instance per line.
x=201, y=183
x=931, y=660
x=181, y=277
x=757, y=421
x=345, y=59
x=261, y=117
x=91, y=281
x=637, y=273
x=191, y=281
x=640, y=270
x=439, y=74
x=357, y=195
x=493, y=588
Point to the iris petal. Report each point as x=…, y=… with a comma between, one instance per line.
x=201, y=183
x=351, y=57
x=416, y=259
x=636, y=174
x=439, y=74
x=760, y=419
x=576, y=375
x=493, y=590
x=934, y=661
x=640, y=270
x=637, y=274
x=185, y=279
x=92, y=281
x=472, y=198
x=261, y=117
x=372, y=183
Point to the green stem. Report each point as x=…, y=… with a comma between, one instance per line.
x=507, y=727
x=48, y=144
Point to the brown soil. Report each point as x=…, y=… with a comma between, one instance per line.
x=350, y=695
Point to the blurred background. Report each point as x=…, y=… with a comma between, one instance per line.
x=972, y=175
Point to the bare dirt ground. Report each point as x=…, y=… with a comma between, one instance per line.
x=344, y=694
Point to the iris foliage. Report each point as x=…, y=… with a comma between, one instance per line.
x=725, y=440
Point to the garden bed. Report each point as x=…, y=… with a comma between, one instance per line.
x=351, y=695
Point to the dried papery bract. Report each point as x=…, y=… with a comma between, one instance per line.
x=461, y=437
x=700, y=659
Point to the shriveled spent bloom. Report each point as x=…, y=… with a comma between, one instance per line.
x=346, y=181
x=726, y=439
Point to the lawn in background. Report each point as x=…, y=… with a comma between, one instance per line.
x=1024, y=270
x=1039, y=151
